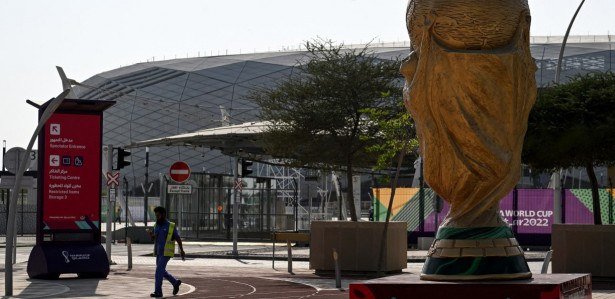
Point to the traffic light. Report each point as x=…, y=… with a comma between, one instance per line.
x=123, y=158
x=245, y=168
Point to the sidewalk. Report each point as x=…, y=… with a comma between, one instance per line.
x=246, y=250
x=264, y=251
x=205, y=277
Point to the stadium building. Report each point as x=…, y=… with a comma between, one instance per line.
x=163, y=98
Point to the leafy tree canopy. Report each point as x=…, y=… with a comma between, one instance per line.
x=573, y=124
x=318, y=115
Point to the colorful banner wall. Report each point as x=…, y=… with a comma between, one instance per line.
x=533, y=213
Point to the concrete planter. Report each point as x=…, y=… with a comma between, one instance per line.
x=357, y=245
x=579, y=248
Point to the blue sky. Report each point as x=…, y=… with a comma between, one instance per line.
x=88, y=37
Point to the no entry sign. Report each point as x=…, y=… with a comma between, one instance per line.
x=180, y=171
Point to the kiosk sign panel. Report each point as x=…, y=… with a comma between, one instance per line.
x=72, y=170
x=69, y=197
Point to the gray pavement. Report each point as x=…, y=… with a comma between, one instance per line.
x=204, y=277
x=264, y=251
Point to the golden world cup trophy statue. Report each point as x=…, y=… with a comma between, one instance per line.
x=470, y=87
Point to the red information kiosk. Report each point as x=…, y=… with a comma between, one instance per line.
x=69, y=193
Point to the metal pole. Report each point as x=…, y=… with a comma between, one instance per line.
x=421, y=200
x=163, y=189
x=22, y=217
x=8, y=204
x=114, y=211
x=269, y=200
x=273, y=252
x=557, y=198
x=109, y=232
x=235, y=205
x=14, y=249
x=10, y=228
x=145, y=186
x=129, y=248
x=610, y=201
x=561, y=52
x=515, y=217
x=125, y=210
x=180, y=214
x=289, y=256
x=310, y=208
x=3, y=153
x=338, y=274
x=435, y=220
x=296, y=205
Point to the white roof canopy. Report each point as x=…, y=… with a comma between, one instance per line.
x=239, y=139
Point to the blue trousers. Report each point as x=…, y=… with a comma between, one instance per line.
x=161, y=272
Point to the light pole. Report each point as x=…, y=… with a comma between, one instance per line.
x=558, y=71
x=557, y=184
x=236, y=189
x=10, y=227
x=145, y=187
x=3, y=152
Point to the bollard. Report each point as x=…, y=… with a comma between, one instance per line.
x=338, y=275
x=15, y=246
x=290, y=257
x=129, y=248
x=273, y=254
x=545, y=264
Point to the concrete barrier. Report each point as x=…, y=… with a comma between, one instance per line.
x=357, y=245
x=583, y=248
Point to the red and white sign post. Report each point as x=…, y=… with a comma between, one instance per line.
x=179, y=171
x=113, y=179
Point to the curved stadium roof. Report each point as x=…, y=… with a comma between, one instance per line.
x=163, y=98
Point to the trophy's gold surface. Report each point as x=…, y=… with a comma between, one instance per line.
x=470, y=86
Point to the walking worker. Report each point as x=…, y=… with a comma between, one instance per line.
x=165, y=235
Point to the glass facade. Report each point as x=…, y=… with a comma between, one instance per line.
x=163, y=98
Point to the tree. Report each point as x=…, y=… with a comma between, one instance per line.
x=399, y=139
x=573, y=125
x=318, y=115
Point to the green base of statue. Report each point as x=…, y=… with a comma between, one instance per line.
x=480, y=253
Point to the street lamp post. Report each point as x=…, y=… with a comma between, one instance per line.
x=145, y=187
x=10, y=227
x=558, y=71
x=557, y=184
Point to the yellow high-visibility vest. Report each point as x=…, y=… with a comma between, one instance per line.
x=169, y=245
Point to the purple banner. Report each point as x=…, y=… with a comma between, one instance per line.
x=534, y=213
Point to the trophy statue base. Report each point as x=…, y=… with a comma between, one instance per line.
x=478, y=253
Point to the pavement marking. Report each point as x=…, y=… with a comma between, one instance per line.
x=323, y=284
x=191, y=289
x=237, y=282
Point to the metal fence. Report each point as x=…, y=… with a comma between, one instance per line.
x=26, y=213
x=207, y=212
